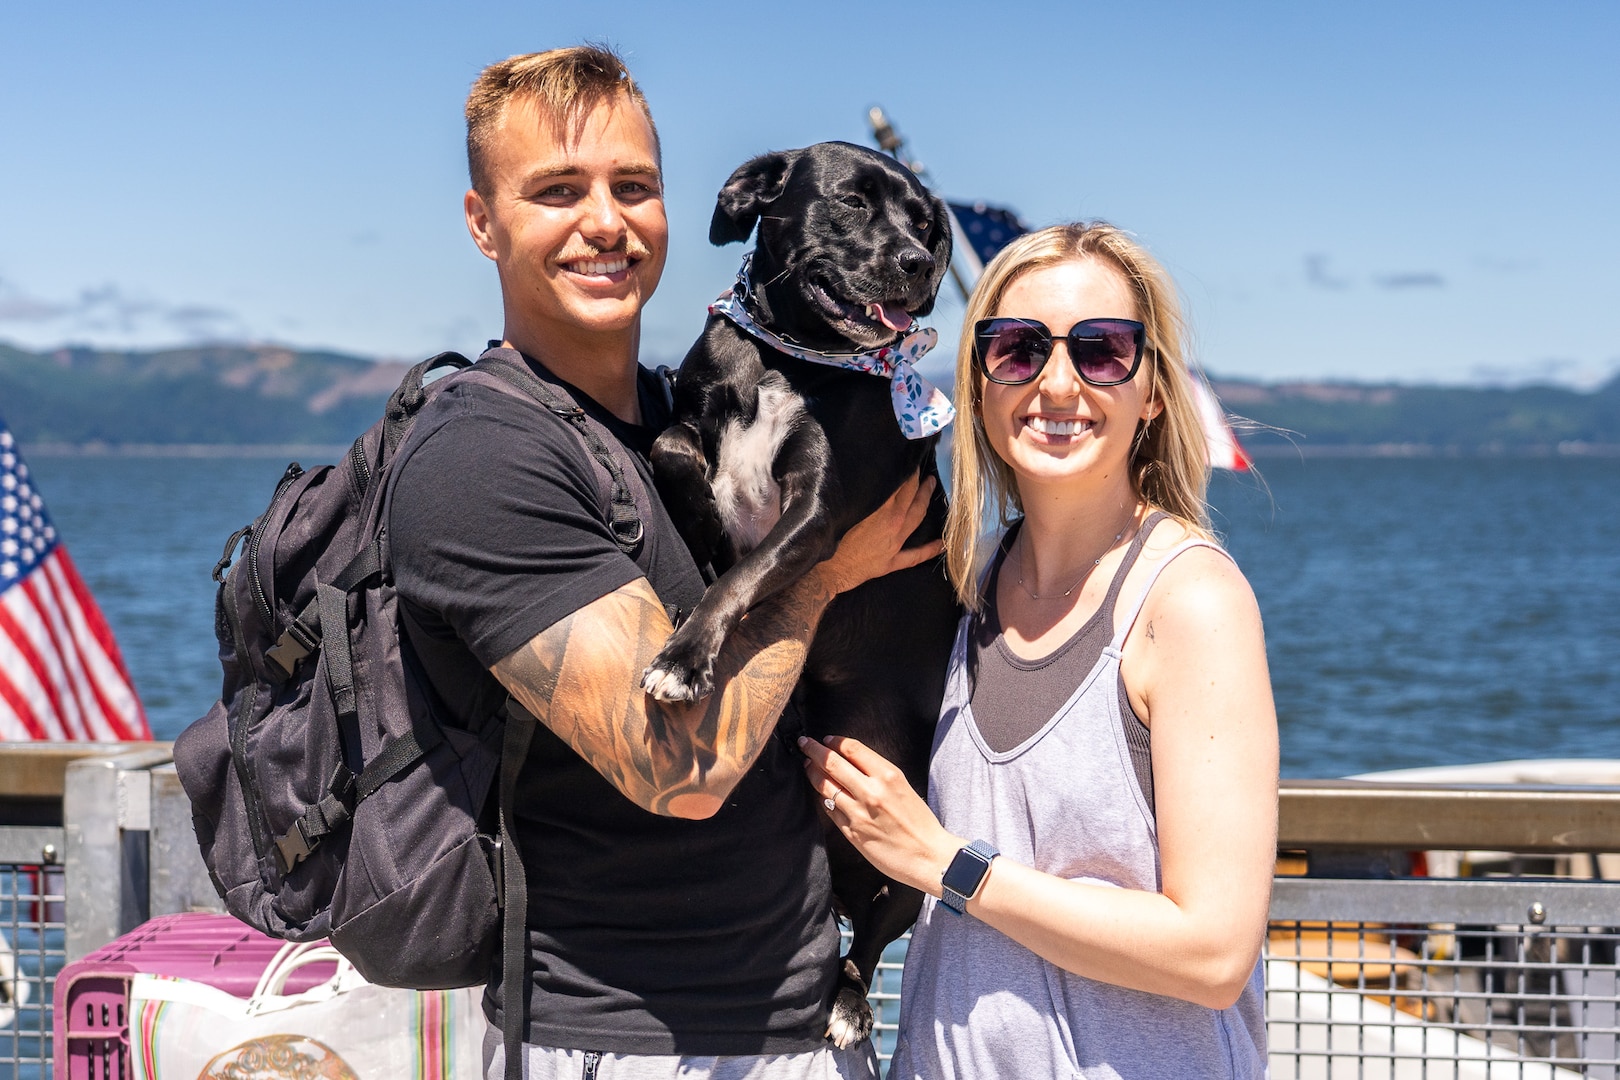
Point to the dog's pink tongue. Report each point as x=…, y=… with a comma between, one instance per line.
x=895, y=318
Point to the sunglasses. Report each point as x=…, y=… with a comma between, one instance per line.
x=1104, y=352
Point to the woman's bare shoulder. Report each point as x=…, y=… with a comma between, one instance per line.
x=1202, y=587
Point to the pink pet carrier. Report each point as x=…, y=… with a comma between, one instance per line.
x=92, y=995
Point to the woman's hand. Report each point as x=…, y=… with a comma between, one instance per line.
x=875, y=808
x=875, y=546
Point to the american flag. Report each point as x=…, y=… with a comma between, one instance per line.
x=61, y=675
x=987, y=229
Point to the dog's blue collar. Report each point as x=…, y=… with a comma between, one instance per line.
x=921, y=407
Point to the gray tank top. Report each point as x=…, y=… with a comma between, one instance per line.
x=975, y=1004
x=1012, y=697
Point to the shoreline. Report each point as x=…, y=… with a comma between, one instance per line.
x=333, y=451
x=1428, y=450
x=1262, y=451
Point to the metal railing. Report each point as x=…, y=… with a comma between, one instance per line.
x=94, y=839
x=1442, y=979
x=1490, y=974
x=1498, y=962
x=31, y=952
x=1487, y=971
x=33, y=902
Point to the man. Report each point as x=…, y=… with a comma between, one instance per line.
x=679, y=907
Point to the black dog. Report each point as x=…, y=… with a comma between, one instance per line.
x=773, y=457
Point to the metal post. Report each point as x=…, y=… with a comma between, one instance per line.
x=106, y=811
x=179, y=879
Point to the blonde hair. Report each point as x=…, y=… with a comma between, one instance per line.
x=566, y=83
x=1169, y=465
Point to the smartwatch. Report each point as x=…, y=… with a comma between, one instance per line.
x=963, y=877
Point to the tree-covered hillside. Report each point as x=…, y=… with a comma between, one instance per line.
x=260, y=394
x=1462, y=419
x=215, y=394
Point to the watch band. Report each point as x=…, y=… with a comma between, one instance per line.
x=961, y=880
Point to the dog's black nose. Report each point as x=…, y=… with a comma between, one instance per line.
x=914, y=261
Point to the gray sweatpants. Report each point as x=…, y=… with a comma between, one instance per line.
x=547, y=1063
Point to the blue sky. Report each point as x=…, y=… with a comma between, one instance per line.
x=1417, y=192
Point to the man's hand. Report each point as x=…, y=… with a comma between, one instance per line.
x=876, y=546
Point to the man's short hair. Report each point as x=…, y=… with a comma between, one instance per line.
x=565, y=83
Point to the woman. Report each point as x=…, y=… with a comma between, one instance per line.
x=1108, y=723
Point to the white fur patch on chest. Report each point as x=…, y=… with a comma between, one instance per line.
x=745, y=492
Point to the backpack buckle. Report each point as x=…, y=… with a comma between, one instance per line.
x=293, y=847
x=627, y=534
x=290, y=649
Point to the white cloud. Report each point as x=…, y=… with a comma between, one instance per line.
x=109, y=314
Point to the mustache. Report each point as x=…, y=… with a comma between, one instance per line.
x=629, y=247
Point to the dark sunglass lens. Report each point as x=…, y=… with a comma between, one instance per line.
x=1013, y=351
x=1104, y=351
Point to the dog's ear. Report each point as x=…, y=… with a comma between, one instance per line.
x=750, y=189
x=940, y=249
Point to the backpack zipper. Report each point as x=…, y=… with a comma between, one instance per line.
x=261, y=599
x=238, y=730
x=357, y=462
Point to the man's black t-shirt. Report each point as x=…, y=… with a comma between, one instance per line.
x=647, y=934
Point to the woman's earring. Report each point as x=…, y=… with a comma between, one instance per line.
x=1141, y=434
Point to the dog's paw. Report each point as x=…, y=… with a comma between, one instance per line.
x=667, y=685
x=678, y=674
x=851, y=1018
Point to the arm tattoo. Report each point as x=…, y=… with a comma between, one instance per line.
x=581, y=678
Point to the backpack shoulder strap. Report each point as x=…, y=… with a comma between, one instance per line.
x=628, y=499
x=520, y=726
x=404, y=402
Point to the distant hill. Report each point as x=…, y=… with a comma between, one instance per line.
x=1456, y=419
x=248, y=395
x=222, y=395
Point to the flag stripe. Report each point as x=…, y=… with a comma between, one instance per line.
x=93, y=618
x=57, y=713
x=74, y=697
x=120, y=712
x=12, y=694
x=14, y=724
x=97, y=710
x=1220, y=443
x=11, y=725
x=92, y=710
x=25, y=655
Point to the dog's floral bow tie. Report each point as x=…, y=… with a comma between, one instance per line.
x=921, y=407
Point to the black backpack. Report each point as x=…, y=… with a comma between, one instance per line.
x=327, y=798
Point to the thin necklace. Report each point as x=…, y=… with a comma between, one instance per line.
x=1084, y=574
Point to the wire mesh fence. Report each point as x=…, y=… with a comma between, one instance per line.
x=33, y=906
x=1416, y=1000
x=1456, y=975
x=1371, y=998
x=1376, y=1000
x=1431, y=979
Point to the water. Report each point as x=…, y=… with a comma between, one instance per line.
x=1418, y=612
x=1431, y=612
x=145, y=534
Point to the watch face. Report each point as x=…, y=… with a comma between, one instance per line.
x=965, y=872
